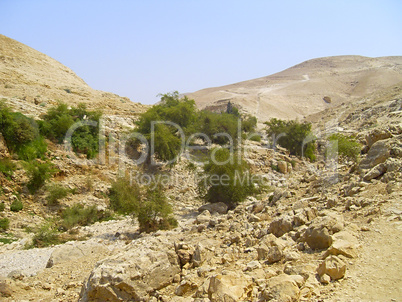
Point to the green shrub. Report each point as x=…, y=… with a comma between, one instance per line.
x=124, y=196
x=7, y=167
x=16, y=205
x=38, y=174
x=255, y=138
x=292, y=135
x=346, y=146
x=55, y=193
x=211, y=123
x=58, y=121
x=148, y=205
x=46, y=235
x=155, y=212
x=21, y=134
x=248, y=123
x=82, y=216
x=229, y=182
x=4, y=224
x=2, y=206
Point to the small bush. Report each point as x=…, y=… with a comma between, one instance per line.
x=16, y=205
x=151, y=207
x=38, y=174
x=55, y=193
x=7, y=167
x=4, y=224
x=2, y=206
x=155, y=212
x=256, y=138
x=346, y=146
x=124, y=196
x=82, y=216
x=46, y=235
x=248, y=123
x=228, y=182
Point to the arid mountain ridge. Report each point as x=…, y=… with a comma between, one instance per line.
x=299, y=91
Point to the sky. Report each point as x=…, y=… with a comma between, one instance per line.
x=140, y=49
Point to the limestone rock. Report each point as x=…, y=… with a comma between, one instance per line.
x=216, y=207
x=377, y=135
x=333, y=267
x=204, y=217
x=74, y=251
x=375, y=172
x=283, y=167
x=378, y=153
x=281, y=225
x=318, y=238
x=132, y=274
x=344, y=244
x=281, y=288
x=230, y=287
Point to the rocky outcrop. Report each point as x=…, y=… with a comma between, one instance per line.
x=133, y=274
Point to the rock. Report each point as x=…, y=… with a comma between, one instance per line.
x=344, y=244
x=281, y=288
x=252, y=265
x=147, y=266
x=325, y=279
x=375, y=172
x=16, y=275
x=272, y=254
x=318, y=238
x=281, y=225
x=199, y=255
x=185, y=288
x=377, y=135
x=75, y=250
x=283, y=167
x=203, y=218
x=230, y=287
x=378, y=153
x=333, y=267
x=46, y=286
x=216, y=207
x=6, y=289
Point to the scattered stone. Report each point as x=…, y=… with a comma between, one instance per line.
x=333, y=267
x=228, y=287
x=281, y=225
x=212, y=208
x=281, y=288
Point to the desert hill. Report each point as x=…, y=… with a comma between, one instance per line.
x=299, y=91
x=30, y=78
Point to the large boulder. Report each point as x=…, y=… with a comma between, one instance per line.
x=378, y=153
x=376, y=135
x=132, y=275
x=375, y=172
x=72, y=251
x=216, y=207
x=281, y=288
x=230, y=287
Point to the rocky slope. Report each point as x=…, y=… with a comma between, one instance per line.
x=306, y=88
x=323, y=233
x=35, y=80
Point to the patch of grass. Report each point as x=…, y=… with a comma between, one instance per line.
x=38, y=174
x=4, y=224
x=55, y=193
x=7, y=167
x=345, y=146
x=45, y=235
x=81, y=215
x=16, y=205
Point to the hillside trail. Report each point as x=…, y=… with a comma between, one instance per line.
x=376, y=274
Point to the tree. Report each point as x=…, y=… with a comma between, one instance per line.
x=292, y=135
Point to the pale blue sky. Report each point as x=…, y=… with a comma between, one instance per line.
x=141, y=48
